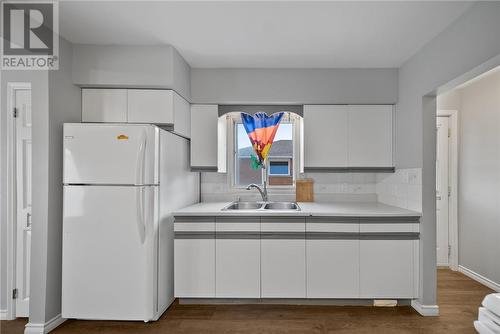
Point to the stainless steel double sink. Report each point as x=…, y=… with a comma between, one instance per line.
x=255, y=206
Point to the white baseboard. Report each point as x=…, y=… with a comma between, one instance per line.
x=3, y=315
x=425, y=310
x=33, y=328
x=481, y=279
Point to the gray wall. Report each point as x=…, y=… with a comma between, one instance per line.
x=479, y=177
x=46, y=252
x=449, y=100
x=39, y=97
x=467, y=43
x=130, y=66
x=55, y=100
x=294, y=86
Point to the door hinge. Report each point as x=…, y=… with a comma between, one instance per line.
x=449, y=250
x=14, y=293
x=449, y=133
x=449, y=191
x=14, y=113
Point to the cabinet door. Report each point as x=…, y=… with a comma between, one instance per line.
x=237, y=257
x=104, y=105
x=325, y=136
x=387, y=265
x=194, y=258
x=332, y=249
x=150, y=106
x=283, y=258
x=204, y=125
x=182, y=116
x=370, y=136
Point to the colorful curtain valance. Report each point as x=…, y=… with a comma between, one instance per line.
x=261, y=130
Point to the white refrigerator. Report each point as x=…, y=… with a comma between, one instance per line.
x=121, y=184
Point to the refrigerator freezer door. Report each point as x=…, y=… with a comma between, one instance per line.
x=110, y=245
x=110, y=154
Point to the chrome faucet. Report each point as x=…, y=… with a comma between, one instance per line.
x=262, y=191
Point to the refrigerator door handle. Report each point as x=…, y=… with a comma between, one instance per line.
x=140, y=214
x=141, y=159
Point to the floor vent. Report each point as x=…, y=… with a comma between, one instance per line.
x=385, y=302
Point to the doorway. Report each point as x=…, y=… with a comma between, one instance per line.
x=19, y=222
x=442, y=192
x=446, y=190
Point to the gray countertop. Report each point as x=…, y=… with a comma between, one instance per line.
x=343, y=209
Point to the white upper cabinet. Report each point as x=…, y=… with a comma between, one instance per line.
x=104, y=105
x=347, y=136
x=370, y=136
x=325, y=136
x=151, y=106
x=182, y=115
x=208, y=138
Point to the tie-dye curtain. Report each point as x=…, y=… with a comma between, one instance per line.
x=261, y=130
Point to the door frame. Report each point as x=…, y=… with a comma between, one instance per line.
x=453, y=183
x=12, y=87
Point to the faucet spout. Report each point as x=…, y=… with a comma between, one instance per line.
x=262, y=191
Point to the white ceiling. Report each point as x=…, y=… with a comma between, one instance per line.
x=266, y=34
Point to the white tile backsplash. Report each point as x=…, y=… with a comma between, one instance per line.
x=402, y=188
x=327, y=187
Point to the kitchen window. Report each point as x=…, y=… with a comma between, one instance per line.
x=280, y=161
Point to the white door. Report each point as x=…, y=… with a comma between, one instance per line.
x=109, y=258
x=23, y=199
x=442, y=186
x=110, y=154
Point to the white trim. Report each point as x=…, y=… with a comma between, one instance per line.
x=11, y=197
x=453, y=183
x=479, y=278
x=3, y=315
x=34, y=328
x=425, y=310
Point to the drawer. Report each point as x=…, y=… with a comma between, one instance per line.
x=193, y=224
x=332, y=227
x=332, y=224
x=283, y=224
x=376, y=227
x=236, y=224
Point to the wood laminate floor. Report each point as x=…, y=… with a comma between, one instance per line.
x=458, y=297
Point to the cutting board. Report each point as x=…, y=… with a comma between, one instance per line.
x=304, y=190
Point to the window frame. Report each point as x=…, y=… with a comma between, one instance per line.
x=234, y=120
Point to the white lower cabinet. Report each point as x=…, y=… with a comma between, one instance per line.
x=296, y=257
x=283, y=258
x=388, y=264
x=332, y=249
x=194, y=257
x=237, y=258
